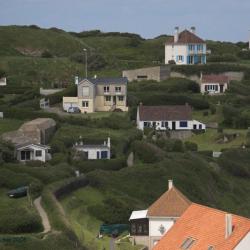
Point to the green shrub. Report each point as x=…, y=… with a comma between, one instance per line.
x=191, y=146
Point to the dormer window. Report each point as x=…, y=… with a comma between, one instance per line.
x=188, y=243
x=106, y=89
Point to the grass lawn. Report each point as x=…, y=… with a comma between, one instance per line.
x=9, y=125
x=208, y=140
x=199, y=115
x=86, y=226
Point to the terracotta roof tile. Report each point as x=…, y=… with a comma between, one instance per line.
x=171, y=204
x=214, y=78
x=207, y=226
x=186, y=37
x=165, y=113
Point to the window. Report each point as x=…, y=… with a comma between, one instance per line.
x=25, y=155
x=142, y=77
x=104, y=154
x=133, y=228
x=106, y=89
x=121, y=98
x=164, y=124
x=108, y=98
x=200, y=47
x=180, y=58
x=187, y=244
x=183, y=124
x=146, y=124
x=85, y=91
x=85, y=104
x=38, y=153
x=118, y=89
x=191, y=47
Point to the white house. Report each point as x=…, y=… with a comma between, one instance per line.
x=178, y=117
x=3, y=81
x=148, y=226
x=202, y=227
x=213, y=84
x=32, y=152
x=94, y=151
x=185, y=48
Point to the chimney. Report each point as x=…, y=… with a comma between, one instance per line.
x=176, y=34
x=95, y=76
x=192, y=29
x=108, y=142
x=201, y=75
x=76, y=80
x=170, y=184
x=229, y=225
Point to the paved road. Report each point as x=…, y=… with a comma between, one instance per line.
x=43, y=214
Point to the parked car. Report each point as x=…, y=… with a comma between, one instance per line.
x=19, y=192
x=74, y=110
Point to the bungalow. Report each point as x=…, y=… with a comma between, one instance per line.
x=214, y=84
x=93, y=151
x=202, y=227
x=162, y=118
x=148, y=226
x=32, y=152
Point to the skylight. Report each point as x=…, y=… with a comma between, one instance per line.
x=188, y=243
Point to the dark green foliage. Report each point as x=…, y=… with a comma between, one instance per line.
x=236, y=162
x=222, y=58
x=6, y=152
x=113, y=211
x=108, y=165
x=147, y=152
x=19, y=220
x=46, y=54
x=245, y=55
x=191, y=146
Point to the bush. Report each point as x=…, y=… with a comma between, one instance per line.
x=147, y=152
x=191, y=146
x=46, y=54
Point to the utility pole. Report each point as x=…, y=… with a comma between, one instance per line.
x=86, y=62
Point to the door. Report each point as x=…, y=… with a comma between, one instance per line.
x=114, y=100
x=173, y=125
x=98, y=155
x=194, y=126
x=104, y=154
x=221, y=88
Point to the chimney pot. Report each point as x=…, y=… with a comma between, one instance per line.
x=108, y=142
x=176, y=34
x=229, y=225
x=193, y=29
x=76, y=80
x=170, y=184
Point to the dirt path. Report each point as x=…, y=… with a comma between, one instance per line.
x=43, y=215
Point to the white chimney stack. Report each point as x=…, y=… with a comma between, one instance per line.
x=108, y=142
x=193, y=29
x=76, y=80
x=229, y=225
x=170, y=184
x=176, y=34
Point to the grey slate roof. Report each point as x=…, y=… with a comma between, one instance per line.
x=111, y=80
x=165, y=113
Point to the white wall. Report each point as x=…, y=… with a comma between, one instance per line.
x=140, y=125
x=177, y=50
x=155, y=223
x=244, y=244
x=92, y=152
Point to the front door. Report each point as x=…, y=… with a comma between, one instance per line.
x=25, y=155
x=221, y=88
x=114, y=100
x=173, y=125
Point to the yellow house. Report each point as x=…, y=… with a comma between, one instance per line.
x=99, y=94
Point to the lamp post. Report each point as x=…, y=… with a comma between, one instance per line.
x=86, y=62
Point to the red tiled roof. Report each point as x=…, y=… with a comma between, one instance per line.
x=165, y=113
x=171, y=204
x=186, y=37
x=207, y=226
x=214, y=78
